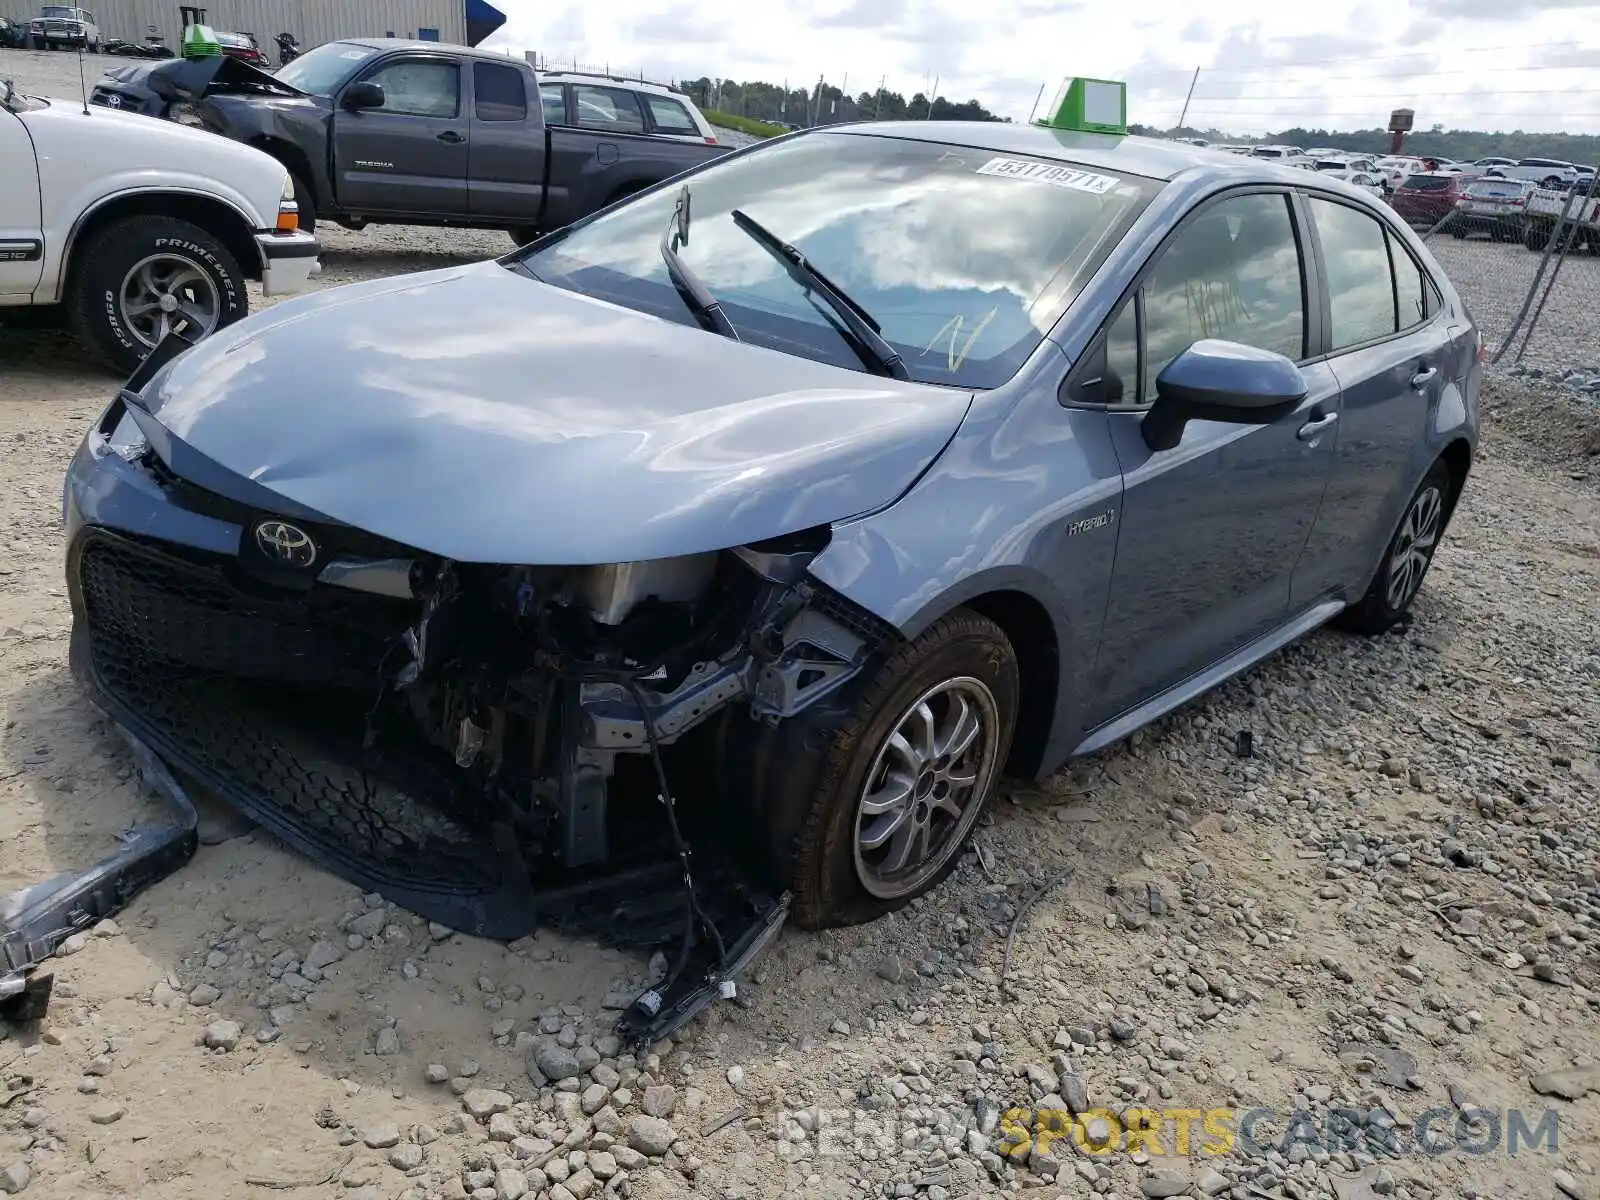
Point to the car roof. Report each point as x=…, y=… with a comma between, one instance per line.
x=390, y=44
x=1151, y=158
x=640, y=85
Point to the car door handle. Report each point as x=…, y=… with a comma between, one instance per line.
x=451, y=136
x=1420, y=379
x=1315, y=426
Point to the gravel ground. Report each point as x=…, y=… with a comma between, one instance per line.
x=1380, y=929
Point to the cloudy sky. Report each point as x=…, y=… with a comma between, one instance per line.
x=1495, y=64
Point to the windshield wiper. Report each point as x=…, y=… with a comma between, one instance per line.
x=700, y=301
x=868, y=340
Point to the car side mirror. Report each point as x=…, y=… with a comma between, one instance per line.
x=363, y=95
x=1216, y=380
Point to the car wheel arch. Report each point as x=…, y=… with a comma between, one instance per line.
x=230, y=225
x=291, y=156
x=1034, y=622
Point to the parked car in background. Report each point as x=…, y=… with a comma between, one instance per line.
x=62, y=27
x=1368, y=181
x=13, y=34
x=1492, y=162
x=132, y=224
x=1396, y=167
x=1546, y=172
x=1427, y=197
x=610, y=104
x=1497, y=207
x=244, y=47
x=388, y=131
x=320, y=561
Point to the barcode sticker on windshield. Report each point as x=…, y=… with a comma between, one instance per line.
x=1067, y=177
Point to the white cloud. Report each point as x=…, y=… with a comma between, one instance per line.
x=1338, y=67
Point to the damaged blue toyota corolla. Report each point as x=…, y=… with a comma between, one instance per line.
x=776, y=512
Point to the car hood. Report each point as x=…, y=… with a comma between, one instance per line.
x=479, y=415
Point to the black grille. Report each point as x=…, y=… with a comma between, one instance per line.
x=203, y=614
x=174, y=645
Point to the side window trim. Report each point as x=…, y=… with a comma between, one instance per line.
x=1310, y=285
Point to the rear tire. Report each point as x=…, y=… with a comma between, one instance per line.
x=523, y=234
x=840, y=791
x=1405, y=563
x=119, y=269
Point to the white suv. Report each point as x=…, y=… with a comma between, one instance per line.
x=60, y=25
x=611, y=104
x=1546, y=172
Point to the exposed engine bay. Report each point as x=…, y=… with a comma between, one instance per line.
x=492, y=747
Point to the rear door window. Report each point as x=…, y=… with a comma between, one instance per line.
x=553, y=98
x=670, y=116
x=1355, y=257
x=498, y=93
x=609, y=110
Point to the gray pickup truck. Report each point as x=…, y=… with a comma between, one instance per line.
x=388, y=131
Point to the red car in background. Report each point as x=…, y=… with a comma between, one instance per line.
x=1427, y=197
x=243, y=46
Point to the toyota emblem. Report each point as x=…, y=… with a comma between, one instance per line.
x=113, y=101
x=286, y=545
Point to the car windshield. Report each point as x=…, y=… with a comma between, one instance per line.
x=55, y=10
x=321, y=71
x=964, y=257
x=1427, y=183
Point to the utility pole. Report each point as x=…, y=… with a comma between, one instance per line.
x=932, y=97
x=877, y=109
x=816, y=104
x=1189, y=97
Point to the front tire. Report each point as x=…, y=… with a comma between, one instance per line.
x=134, y=277
x=872, y=807
x=1405, y=563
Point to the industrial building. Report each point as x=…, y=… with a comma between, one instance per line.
x=464, y=22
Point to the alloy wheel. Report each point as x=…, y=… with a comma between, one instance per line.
x=926, y=787
x=159, y=289
x=1413, y=547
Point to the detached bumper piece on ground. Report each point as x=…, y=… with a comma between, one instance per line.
x=494, y=748
x=35, y=921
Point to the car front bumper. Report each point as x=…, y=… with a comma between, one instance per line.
x=288, y=260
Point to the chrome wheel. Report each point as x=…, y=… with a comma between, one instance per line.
x=1413, y=547
x=925, y=787
x=159, y=289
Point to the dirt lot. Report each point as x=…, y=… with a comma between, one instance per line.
x=1385, y=922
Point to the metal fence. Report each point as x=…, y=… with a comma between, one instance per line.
x=1531, y=277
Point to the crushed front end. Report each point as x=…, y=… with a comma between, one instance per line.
x=494, y=747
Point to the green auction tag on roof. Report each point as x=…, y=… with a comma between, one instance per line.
x=1089, y=106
